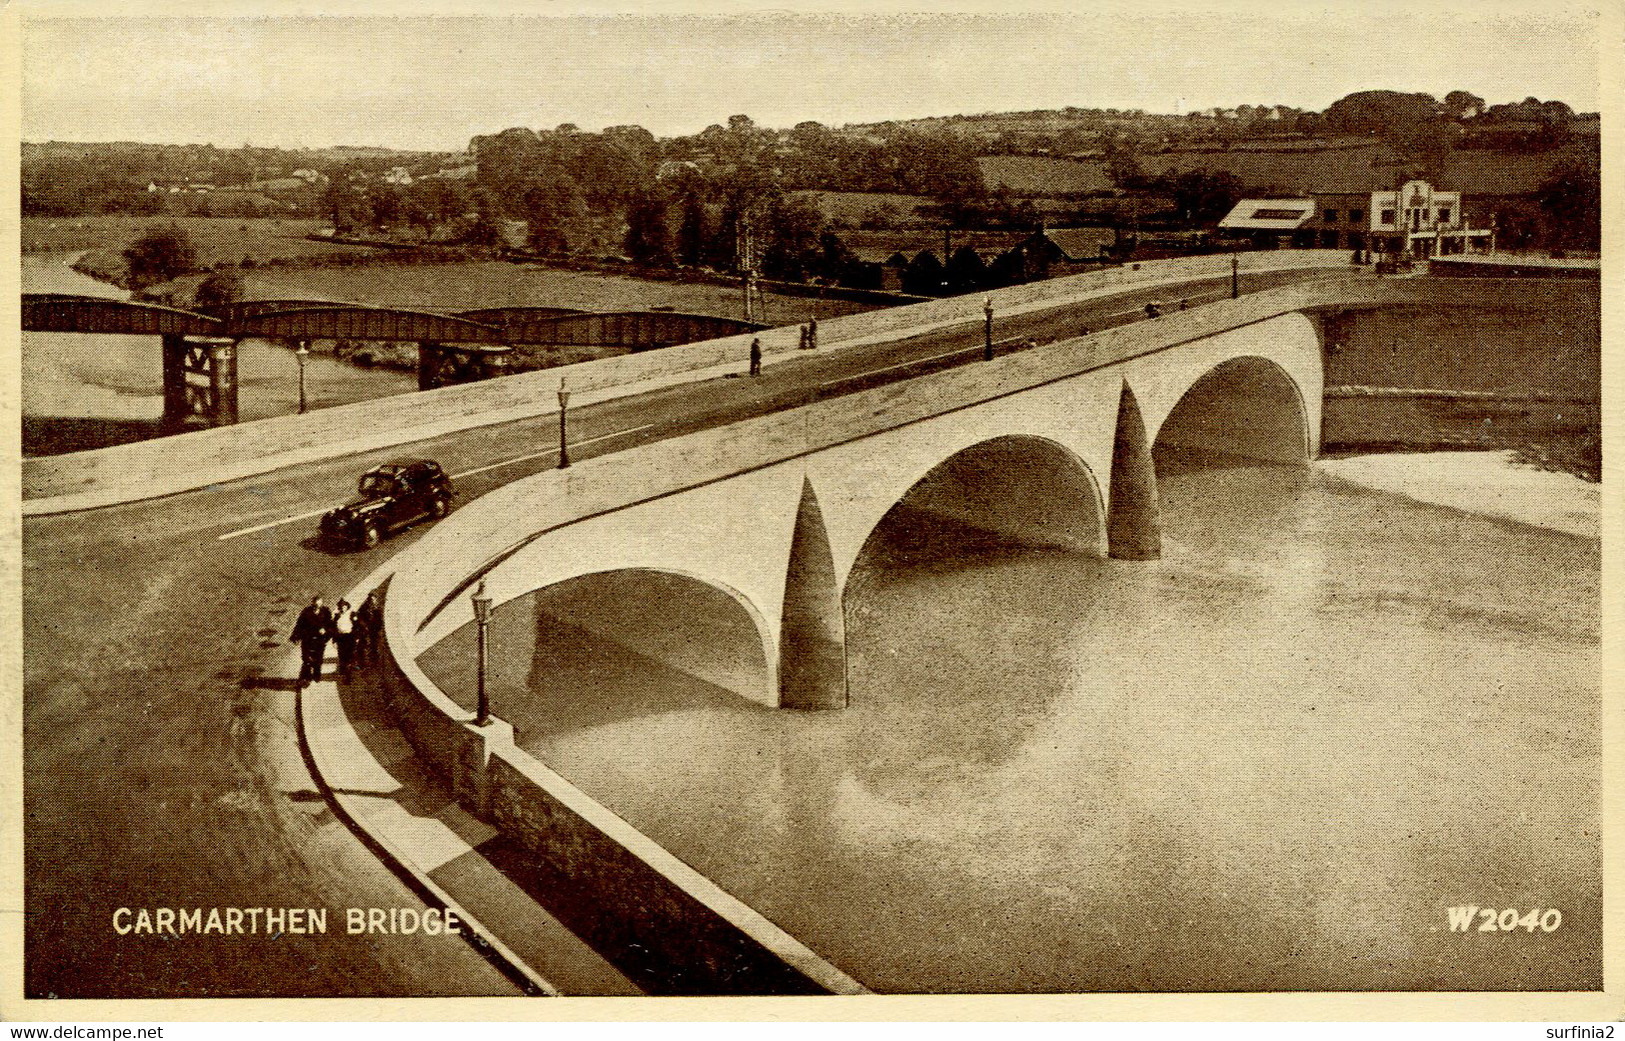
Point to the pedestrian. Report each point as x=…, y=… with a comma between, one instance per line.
x=344, y=634
x=1184, y=304
x=756, y=356
x=803, y=344
x=369, y=627
x=812, y=333
x=310, y=632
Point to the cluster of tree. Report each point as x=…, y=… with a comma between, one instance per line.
x=1197, y=198
x=60, y=179
x=720, y=199
x=356, y=206
x=1570, y=202
x=997, y=209
x=159, y=255
x=925, y=274
x=73, y=187
x=1409, y=119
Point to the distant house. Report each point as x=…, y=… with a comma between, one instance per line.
x=1053, y=252
x=451, y=173
x=1416, y=219
x=397, y=175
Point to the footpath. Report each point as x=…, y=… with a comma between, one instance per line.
x=370, y=775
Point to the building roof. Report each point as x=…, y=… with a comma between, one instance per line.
x=1269, y=214
x=1079, y=243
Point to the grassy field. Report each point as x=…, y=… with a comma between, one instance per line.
x=219, y=240
x=464, y=286
x=851, y=209
x=1041, y=175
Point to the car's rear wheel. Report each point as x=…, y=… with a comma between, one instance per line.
x=438, y=507
x=369, y=536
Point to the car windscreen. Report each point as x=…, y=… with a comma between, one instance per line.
x=375, y=484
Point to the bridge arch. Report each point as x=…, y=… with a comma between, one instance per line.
x=1245, y=408
x=685, y=620
x=1019, y=488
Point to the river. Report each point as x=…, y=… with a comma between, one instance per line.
x=1272, y=760
x=85, y=391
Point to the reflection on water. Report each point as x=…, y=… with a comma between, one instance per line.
x=1271, y=760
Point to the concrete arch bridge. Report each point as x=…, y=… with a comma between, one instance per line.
x=1054, y=445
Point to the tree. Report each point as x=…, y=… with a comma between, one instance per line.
x=1202, y=198
x=1571, y=200
x=924, y=275
x=1386, y=113
x=691, y=227
x=159, y=255
x=346, y=206
x=647, y=239
x=546, y=203
x=966, y=271
x=220, y=288
x=1459, y=105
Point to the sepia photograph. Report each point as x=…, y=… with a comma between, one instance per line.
x=740, y=501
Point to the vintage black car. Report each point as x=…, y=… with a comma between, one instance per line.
x=390, y=497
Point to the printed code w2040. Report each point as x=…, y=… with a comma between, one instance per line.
x=1472, y=918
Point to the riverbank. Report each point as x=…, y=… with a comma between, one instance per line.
x=1485, y=484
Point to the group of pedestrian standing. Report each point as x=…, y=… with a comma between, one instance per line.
x=353, y=633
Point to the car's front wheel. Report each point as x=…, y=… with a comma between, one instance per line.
x=438, y=507
x=369, y=536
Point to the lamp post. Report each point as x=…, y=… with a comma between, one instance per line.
x=987, y=310
x=302, y=352
x=1235, y=275
x=564, y=404
x=482, y=615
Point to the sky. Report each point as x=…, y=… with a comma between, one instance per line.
x=433, y=81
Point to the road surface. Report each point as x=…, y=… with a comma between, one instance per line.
x=161, y=763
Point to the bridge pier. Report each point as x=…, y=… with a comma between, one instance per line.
x=812, y=635
x=1133, y=514
x=442, y=365
x=200, y=380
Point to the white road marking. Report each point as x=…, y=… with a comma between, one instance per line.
x=997, y=343
x=466, y=473
x=546, y=451
x=276, y=523
x=917, y=361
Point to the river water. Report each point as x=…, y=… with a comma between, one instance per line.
x=1271, y=760
x=85, y=391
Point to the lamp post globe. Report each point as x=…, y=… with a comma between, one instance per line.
x=482, y=618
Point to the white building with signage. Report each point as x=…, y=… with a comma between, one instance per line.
x=1415, y=220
